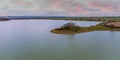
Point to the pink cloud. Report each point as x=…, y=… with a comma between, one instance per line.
x=68, y=7
x=26, y=5
x=57, y=5
x=62, y=7
x=102, y=6
x=76, y=9
x=21, y=3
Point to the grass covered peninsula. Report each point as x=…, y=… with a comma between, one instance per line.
x=71, y=28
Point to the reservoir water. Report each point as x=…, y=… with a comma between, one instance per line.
x=32, y=40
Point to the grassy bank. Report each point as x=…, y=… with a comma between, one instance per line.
x=86, y=18
x=98, y=27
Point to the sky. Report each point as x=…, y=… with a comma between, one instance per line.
x=60, y=7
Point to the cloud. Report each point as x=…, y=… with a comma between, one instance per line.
x=100, y=6
x=59, y=7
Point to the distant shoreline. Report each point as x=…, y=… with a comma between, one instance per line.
x=117, y=18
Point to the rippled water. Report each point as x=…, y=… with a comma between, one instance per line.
x=32, y=40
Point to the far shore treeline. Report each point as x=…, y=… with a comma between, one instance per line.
x=114, y=18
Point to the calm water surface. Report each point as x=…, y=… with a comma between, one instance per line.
x=32, y=40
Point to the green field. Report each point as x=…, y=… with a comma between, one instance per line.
x=86, y=18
